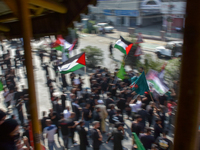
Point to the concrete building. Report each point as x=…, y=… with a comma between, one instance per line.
x=119, y=13
x=173, y=15
x=129, y=13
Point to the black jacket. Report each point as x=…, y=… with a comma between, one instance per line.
x=83, y=138
x=95, y=137
x=118, y=137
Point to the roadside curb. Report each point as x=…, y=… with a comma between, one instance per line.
x=149, y=50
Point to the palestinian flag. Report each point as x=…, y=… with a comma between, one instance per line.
x=59, y=43
x=123, y=45
x=156, y=83
x=72, y=64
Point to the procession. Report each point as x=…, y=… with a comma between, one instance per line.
x=99, y=75
x=96, y=114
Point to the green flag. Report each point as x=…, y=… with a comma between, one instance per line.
x=1, y=86
x=121, y=72
x=138, y=142
x=140, y=85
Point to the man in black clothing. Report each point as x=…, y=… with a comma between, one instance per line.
x=96, y=136
x=163, y=142
x=41, y=56
x=19, y=109
x=111, y=113
x=63, y=125
x=63, y=99
x=118, y=117
x=82, y=136
x=49, y=81
x=136, y=126
x=55, y=68
x=96, y=116
x=143, y=113
x=157, y=129
x=118, y=134
x=46, y=69
x=104, y=86
x=163, y=100
x=72, y=76
x=72, y=126
x=121, y=104
x=76, y=108
x=87, y=116
x=147, y=139
x=43, y=120
x=110, y=48
x=54, y=119
x=64, y=82
x=109, y=100
x=10, y=85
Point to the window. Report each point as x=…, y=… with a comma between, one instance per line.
x=151, y=3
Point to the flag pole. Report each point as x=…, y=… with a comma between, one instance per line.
x=151, y=95
x=27, y=34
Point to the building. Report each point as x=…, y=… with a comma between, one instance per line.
x=118, y=13
x=150, y=12
x=129, y=13
x=173, y=15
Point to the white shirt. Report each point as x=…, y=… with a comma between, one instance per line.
x=66, y=114
x=5, y=93
x=50, y=130
x=9, y=97
x=136, y=106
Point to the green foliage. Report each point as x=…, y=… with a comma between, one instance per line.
x=92, y=22
x=90, y=26
x=94, y=56
x=85, y=30
x=172, y=70
x=150, y=63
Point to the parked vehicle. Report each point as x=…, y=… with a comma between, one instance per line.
x=172, y=49
x=106, y=27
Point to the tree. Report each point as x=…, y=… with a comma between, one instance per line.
x=94, y=56
x=150, y=63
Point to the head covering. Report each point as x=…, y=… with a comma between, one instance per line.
x=100, y=101
x=2, y=114
x=9, y=125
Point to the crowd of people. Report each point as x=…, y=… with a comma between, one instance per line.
x=94, y=112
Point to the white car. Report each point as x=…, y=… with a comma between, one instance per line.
x=172, y=49
x=107, y=28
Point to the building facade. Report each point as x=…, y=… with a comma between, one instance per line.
x=129, y=13
x=118, y=13
x=173, y=15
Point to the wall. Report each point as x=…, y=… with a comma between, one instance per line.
x=127, y=21
x=111, y=18
x=177, y=8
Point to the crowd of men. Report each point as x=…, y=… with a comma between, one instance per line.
x=84, y=110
